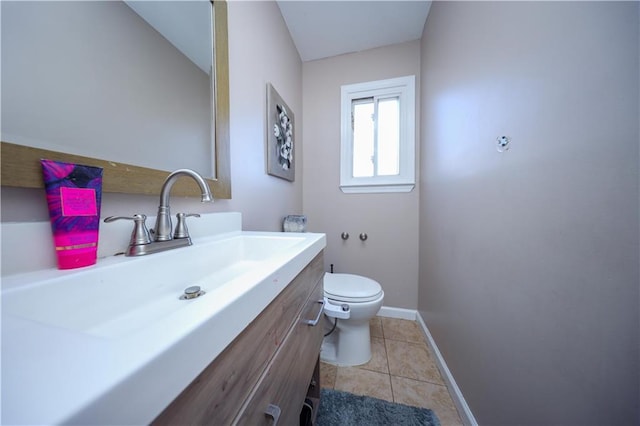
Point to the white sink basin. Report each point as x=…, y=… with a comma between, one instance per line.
x=122, y=298
x=89, y=346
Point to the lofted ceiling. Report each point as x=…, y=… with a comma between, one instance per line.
x=324, y=28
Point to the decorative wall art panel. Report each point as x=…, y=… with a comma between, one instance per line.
x=280, y=136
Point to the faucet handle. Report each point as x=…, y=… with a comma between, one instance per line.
x=181, y=227
x=140, y=234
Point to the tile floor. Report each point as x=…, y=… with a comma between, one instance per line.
x=402, y=369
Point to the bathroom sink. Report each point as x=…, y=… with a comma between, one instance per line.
x=124, y=297
x=104, y=333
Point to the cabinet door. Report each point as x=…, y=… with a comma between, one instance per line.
x=284, y=385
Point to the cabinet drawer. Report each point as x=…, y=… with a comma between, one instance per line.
x=217, y=394
x=285, y=382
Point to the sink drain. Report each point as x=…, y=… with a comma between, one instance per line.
x=192, y=292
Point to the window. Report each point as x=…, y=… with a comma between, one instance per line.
x=378, y=136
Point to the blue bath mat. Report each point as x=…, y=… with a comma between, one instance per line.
x=339, y=408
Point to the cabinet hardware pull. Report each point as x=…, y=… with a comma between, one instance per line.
x=313, y=322
x=273, y=411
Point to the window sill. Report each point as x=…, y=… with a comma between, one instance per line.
x=369, y=189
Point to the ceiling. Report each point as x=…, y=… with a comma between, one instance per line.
x=324, y=28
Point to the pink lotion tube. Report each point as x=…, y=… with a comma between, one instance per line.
x=74, y=193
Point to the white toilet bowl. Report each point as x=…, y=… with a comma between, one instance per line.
x=353, y=300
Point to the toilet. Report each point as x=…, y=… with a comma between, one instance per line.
x=352, y=301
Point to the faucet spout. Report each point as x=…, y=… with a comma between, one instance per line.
x=162, y=230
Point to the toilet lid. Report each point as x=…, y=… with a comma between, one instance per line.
x=351, y=288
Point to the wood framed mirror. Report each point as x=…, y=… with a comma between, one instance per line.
x=21, y=163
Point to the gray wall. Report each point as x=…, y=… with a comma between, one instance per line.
x=529, y=259
x=390, y=254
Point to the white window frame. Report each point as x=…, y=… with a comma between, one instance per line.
x=404, y=88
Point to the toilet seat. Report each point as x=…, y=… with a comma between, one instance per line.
x=351, y=288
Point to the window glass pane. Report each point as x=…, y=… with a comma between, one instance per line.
x=381, y=156
x=363, y=142
x=388, y=137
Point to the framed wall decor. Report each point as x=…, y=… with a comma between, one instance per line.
x=280, y=137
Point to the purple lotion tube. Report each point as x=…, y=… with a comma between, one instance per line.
x=74, y=194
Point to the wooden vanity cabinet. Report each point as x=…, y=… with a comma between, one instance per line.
x=267, y=368
x=284, y=384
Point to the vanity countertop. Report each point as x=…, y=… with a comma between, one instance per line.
x=57, y=370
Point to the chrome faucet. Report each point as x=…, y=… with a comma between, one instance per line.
x=162, y=230
x=141, y=242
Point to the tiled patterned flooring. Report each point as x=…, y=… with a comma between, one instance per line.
x=402, y=369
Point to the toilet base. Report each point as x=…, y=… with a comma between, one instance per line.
x=348, y=345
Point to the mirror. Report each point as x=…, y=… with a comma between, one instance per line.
x=76, y=108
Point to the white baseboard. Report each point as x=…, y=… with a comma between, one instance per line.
x=400, y=313
x=458, y=399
